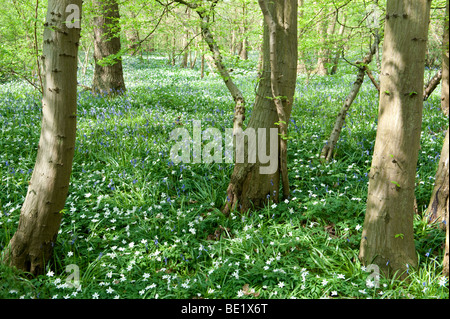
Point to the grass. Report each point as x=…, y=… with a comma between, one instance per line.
x=137, y=226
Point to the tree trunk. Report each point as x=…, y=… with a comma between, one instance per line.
x=301, y=66
x=31, y=247
x=445, y=261
x=327, y=150
x=243, y=54
x=439, y=203
x=445, y=109
x=437, y=207
x=432, y=84
x=184, y=60
x=388, y=238
x=202, y=66
x=445, y=58
x=249, y=187
x=325, y=32
x=238, y=97
x=339, y=48
x=108, y=75
x=132, y=36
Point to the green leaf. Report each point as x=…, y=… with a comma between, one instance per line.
x=395, y=183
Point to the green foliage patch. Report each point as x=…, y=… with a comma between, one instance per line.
x=138, y=226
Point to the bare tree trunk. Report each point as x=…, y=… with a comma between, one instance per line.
x=388, y=238
x=184, y=60
x=339, y=48
x=301, y=67
x=202, y=66
x=238, y=97
x=445, y=60
x=248, y=186
x=439, y=203
x=233, y=42
x=432, y=84
x=244, y=49
x=445, y=261
x=243, y=54
x=108, y=77
x=445, y=109
x=324, y=51
x=31, y=247
x=218, y=62
x=327, y=150
x=437, y=207
x=132, y=35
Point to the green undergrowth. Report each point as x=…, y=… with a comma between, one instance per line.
x=136, y=225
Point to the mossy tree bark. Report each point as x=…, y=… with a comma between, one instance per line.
x=31, y=247
x=388, y=238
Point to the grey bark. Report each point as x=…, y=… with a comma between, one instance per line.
x=108, y=79
x=31, y=247
x=387, y=238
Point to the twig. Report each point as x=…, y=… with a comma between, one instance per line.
x=25, y=78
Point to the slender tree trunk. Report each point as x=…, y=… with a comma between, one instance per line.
x=243, y=54
x=233, y=42
x=432, y=84
x=261, y=54
x=244, y=49
x=202, y=66
x=327, y=150
x=439, y=203
x=108, y=77
x=326, y=30
x=339, y=48
x=132, y=35
x=218, y=62
x=445, y=61
x=439, y=199
x=445, y=261
x=238, y=97
x=301, y=67
x=31, y=247
x=248, y=186
x=445, y=109
x=322, y=55
x=184, y=61
x=387, y=237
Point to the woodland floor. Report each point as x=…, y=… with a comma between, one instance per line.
x=138, y=226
